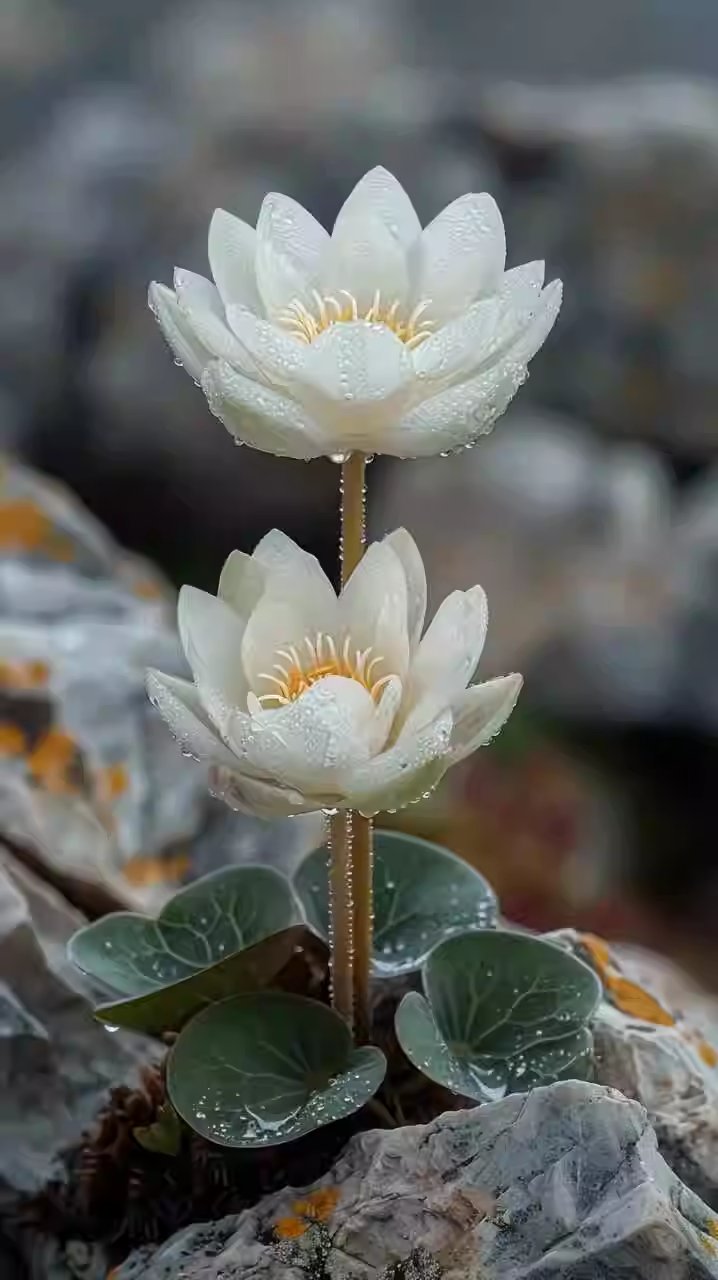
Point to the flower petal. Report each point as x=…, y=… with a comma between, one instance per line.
x=241, y=583
x=458, y=415
x=298, y=602
x=179, y=704
x=470, y=342
x=537, y=331
x=358, y=365
x=290, y=245
x=381, y=196
x=405, y=773
x=364, y=259
x=373, y=609
x=232, y=246
x=481, y=712
x=275, y=355
x=201, y=306
x=211, y=635
x=450, y=650
x=187, y=349
x=402, y=543
x=258, y=416
x=310, y=743
x=261, y=798
x=460, y=254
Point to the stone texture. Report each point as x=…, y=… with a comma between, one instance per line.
x=564, y=1183
x=56, y=1062
x=656, y=1037
x=91, y=778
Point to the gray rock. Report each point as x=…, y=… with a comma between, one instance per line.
x=666, y=1059
x=563, y=1183
x=56, y=1062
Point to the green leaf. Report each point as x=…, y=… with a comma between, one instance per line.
x=169, y=1008
x=206, y=922
x=502, y=1012
x=258, y=1070
x=164, y=1136
x=422, y=895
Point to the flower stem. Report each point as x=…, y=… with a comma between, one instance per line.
x=353, y=537
x=340, y=915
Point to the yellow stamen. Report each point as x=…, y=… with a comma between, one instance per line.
x=325, y=659
x=306, y=323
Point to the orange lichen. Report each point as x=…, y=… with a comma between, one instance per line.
x=627, y=996
x=24, y=675
x=598, y=952
x=112, y=782
x=637, y=1003
x=290, y=1228
x=319, y=1205
x=12, y=739
x=147, y=589
x=707, y=1053
x=58, y=547
x=143, y=872
x=51, y=761
x=23, y=526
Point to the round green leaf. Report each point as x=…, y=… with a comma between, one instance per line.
x=503, y=1011
x=169, y=1008
x=422, y=895
x=258, y=1070
x=202, y=924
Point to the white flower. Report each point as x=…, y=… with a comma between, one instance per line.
x=302, y=701
x=380, y=338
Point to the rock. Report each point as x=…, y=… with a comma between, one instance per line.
x=656, y=1037
x=562, y=1183
x=56, y=1062
x=92, y=781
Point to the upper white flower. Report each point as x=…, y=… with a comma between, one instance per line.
x=305, y=701
x=380, y=338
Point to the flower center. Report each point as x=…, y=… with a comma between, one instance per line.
x=307, y=323
x=296, y=674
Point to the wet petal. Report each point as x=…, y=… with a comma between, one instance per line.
x=481, y=712
x=261, y=417
x=232, y=246
x=460, y=255
x=179, y=704
x=290, y=245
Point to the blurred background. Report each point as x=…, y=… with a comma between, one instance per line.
x=590, y=515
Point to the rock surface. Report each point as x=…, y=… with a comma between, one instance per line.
x=56, y=1062
x=656, y=1038
x=562, y=1183
x=91, y=779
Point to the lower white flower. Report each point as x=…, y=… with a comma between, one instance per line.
x=304, y=701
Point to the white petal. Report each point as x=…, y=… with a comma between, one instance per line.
x=313, y=741
x=202, y=309
x=457, y=416
x=258, y=416
x=292, y=573
x=450, y=650
x=472, y=341
x=211, y=635
x=460, y=255
x=405, y=773
x=480, y=712
x=185, y=346
x=232, y=248
x=373, y=609
x=290, y=244
x=180, y=705
x=277, y=357
x=403, y=544
x=366, y=260
x=537, y=331
x=241, y=583
x=298, y=602
x=379, y=195
x=263, y=799
x=359, y=365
